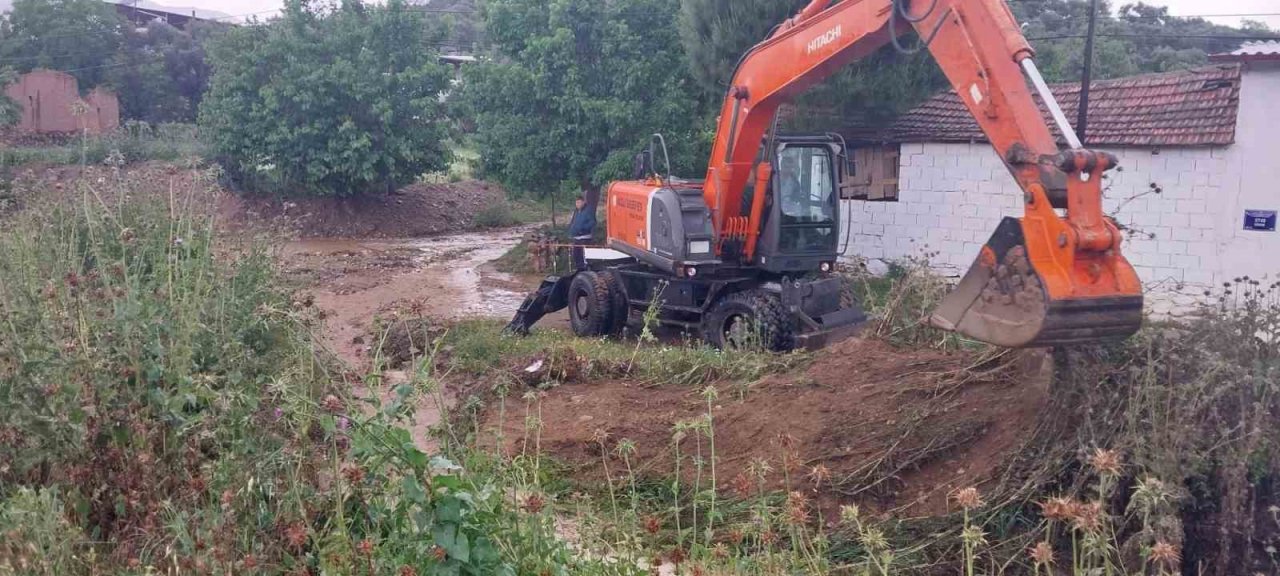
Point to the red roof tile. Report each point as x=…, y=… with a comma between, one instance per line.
x=1194, y=107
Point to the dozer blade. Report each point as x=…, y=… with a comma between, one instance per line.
x=1004, y=300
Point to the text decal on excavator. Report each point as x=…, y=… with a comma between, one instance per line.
x=825, y=38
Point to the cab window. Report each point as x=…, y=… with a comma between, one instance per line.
x=806, y=196
x=804, y=182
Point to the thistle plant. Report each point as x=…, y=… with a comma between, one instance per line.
x=626, y=448
x=678, y=434
x=710, y=395
x=649, y=320
x=971, y=536
x=879, y=556
x=600, y=436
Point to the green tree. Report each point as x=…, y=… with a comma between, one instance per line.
x=1135, y=39
x=716, y=33
x=462, y=19
x=10, y=111
x=1140, y=38
x=334, y=102
x=161, y=72
x=79, y=36
x=573, y=88
x=139, y=77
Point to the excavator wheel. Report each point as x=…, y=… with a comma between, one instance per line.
x=590, y=305
x=1002, y=300
x=750, y=320
x=618, y=309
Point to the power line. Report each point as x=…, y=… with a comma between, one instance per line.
x=230, y=17
x=219, y=18
x=439, y=10
x=158, y=57
x=1225, y=15
x=152, y=60
x=1167, y=36
x=1232, y=15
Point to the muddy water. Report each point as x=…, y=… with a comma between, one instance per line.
x=475, y=288
x=449, y=277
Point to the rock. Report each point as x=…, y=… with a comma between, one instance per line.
x=877, y=267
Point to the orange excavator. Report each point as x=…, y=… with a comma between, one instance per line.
x=746, y=256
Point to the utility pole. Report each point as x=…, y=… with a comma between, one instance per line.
x=1082, y=118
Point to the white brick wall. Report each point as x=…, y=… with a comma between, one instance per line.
x=950, y=198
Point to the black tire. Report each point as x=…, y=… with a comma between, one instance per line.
x=619, y=311
x=751, y=319
x=590, y=308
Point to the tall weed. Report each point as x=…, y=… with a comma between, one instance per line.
x=164, y=408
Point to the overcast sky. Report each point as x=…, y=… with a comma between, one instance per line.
x=1176, y=7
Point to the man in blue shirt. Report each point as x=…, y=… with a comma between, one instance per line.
x=582, y=226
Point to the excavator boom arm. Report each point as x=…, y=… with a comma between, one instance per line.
x=1042, y=279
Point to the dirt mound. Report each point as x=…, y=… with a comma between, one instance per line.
x=17, y=138
x=35, y=185
x=887, y=428
x=412, y=211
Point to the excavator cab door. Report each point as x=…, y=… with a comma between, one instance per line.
x=801, y=223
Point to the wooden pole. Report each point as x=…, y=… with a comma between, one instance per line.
x=1082, y=118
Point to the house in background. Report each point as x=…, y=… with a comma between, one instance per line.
x=1198, y=189
x=51, y=103
x=143, y=12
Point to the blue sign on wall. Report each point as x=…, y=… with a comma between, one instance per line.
x=1260, y=220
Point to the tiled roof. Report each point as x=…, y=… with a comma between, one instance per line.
x=1194, y=107
x=1261, y=50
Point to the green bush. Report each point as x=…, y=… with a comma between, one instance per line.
x=328, y=102
x=10, y=111
x=497, y=215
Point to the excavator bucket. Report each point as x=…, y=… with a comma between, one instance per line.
x=1043, y=280
x=1003, y=300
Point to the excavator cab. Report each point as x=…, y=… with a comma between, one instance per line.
x=801, y=225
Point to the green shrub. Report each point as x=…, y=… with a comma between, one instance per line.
x=10, y=111
x=328, y=102
x=496, y=215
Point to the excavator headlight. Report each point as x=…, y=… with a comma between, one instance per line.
x=691, y=271
x=825, y=267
